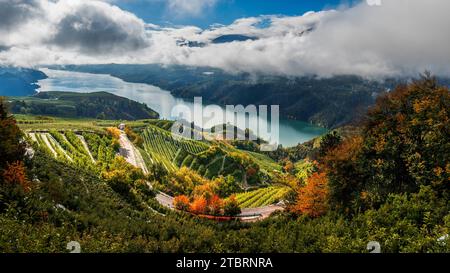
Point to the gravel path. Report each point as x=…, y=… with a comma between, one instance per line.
x=131, y=154
x=86, y=147
x=262, y=212
x=58, y=146
x=165, y=200
x=49, y=146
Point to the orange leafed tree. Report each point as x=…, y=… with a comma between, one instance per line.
x=181, y=202
x=114, y=132
x=199, y=205
x=15, y=174
x=313, y=197
x=215, y=205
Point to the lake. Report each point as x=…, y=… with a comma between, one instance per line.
x=291, y=132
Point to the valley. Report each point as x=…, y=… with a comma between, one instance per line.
x=94, y=148
x=139, y=189
x=328, y=102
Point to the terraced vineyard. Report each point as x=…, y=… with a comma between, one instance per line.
x=264, y=161
x=209, y=158
x=204, y=157
x=161, y=147
x=261, y=197
x=84, y=149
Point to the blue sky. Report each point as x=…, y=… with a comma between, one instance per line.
x=222, y=11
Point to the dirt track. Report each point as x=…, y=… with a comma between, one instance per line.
x=86, y=147
x=263, y=212
x=131, y=154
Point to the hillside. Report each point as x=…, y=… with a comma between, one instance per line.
x=63, y=139
x=19, y=81
x=100, y=105
x=385, y=182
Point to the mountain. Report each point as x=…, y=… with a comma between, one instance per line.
x=101, y=105
x=19, y=81
x=222, y=39
x=329, y=102
x=232, y=38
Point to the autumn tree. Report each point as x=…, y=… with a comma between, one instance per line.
x=328, y=142
x=14, y=175
x=288, y=166
x=181, y=202
x=13, y=180
x=404, y=144
x=345, y=173
x=12, y=146
x=215, y=205
x=313, y=197
x=207, y=190
x=135, y=138
x=114, y=132
x=183, y=181
x=123, y=177
x=226, y=185
x=407, y=137
x=199, y=205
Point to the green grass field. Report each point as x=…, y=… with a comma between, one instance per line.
x=46, y=123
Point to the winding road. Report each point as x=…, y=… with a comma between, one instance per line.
x=130, y=153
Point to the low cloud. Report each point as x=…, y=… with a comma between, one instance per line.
x=398, y=38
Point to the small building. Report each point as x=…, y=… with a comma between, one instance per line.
x=121, y=126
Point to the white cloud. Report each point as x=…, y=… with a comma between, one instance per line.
x=88, y=27
x=190, y=7
x=400, y=37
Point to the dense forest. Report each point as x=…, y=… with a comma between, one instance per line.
x=386, y=181
x=101, y=105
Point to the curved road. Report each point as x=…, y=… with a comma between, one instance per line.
x=131, y=154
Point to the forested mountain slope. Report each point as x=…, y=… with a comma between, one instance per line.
x=101, y=105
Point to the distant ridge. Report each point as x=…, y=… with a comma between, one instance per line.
x=101, y=105
x=19, y=81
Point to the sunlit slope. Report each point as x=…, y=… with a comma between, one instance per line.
x=209, y=158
